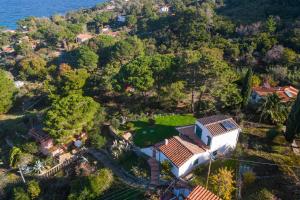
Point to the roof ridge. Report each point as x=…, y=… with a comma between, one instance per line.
x=219, y=121
x=176, y=137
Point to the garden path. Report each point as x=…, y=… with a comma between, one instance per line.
x=108, y=162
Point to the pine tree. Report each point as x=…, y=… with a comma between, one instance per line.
x=293, y=125
x=247, y=87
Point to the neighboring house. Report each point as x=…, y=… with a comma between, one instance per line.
x=83, y=37
x=196, y=144
x=46, y=143
x=200, y=193
x=47, y=146
x=121, y=18
x=8, y=49
x=182, y=191
x=286, y=93
x=164, y=9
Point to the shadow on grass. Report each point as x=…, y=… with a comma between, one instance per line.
x=147, y=135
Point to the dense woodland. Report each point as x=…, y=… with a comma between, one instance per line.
x=202, y=57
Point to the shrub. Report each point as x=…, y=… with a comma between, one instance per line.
x=130, y=126
x=248, y=178
x=33, y=189
x=115, y=123
x=97, y=141
x=166, y=167
x=30, y=147
x=151, y=121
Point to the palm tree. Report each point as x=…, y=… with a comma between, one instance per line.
x=273, y=109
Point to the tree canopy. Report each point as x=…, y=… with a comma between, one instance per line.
x=70, y=115
x=8, y=91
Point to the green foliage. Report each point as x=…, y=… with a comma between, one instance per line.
x=263, y=194
x=292, y=127
x=222, y=183
x=14, y=156
x=249, y=178
x=166, y=169
x=33, y=67
x=128, y=49
x=136, y=74
x=247, y=87
x=173, y=94
x=131, y=20
x=70, y=115
x=71, y=82
x=115, y=123
x=86, y=58
x=92, y=186
x=30, y=147
x=271, y=25
x=8, y=90
x=97, y=141
x=272, y=109
x=33, y=189
x=20, y=194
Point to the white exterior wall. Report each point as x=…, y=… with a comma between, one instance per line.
x=205, y=132
x=188, y=165
x=183, y=169
x=221, y=142
x=160, y=157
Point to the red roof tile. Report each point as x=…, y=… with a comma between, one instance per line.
x=179, y=149
x=189, y=131
x=200, y=193
x=214, y=124
x=282, y=92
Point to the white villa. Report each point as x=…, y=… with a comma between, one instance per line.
x=196, y=144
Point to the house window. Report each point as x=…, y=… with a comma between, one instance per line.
x=198, y=131
x=196, y=162
x=208, y=141
x=215, y=153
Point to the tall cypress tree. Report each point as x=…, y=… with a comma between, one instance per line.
x=247, y=87
x=293, y=122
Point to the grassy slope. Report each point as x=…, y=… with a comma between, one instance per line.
x=164, y=127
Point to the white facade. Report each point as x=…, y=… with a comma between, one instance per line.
x=164, y=9
x=184, y=169
x=219, y=144
x=121, y=18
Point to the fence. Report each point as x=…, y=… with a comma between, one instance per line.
x=60, y=166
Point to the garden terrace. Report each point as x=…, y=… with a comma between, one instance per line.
x=148, y=132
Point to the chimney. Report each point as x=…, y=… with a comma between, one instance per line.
x=166, y=141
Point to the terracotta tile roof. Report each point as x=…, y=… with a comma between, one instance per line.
x=189, y=131
x=215, y=126
x=212, y=119
x=282, y=92
x=179, y=149
x=200, y=193
x=84, y=36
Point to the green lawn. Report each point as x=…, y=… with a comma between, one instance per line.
x=146, y=134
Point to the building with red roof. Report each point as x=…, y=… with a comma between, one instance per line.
x=196, y=144
x=286, y=93
x=200, y=193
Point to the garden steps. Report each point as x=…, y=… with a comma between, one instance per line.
x=154, y=166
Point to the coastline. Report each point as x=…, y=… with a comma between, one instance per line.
x=11, y=24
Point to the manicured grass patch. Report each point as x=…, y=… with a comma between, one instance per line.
x=147, y=134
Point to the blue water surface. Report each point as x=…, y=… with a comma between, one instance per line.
x=13, y=10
